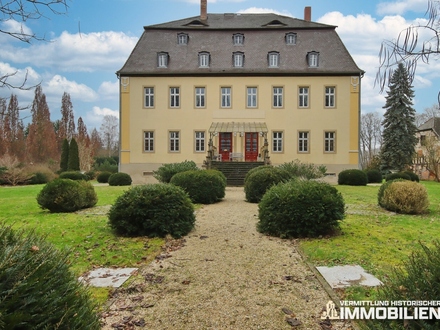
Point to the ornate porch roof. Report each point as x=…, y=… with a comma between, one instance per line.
x=234, y=127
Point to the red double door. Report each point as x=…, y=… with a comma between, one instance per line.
x=251, y=146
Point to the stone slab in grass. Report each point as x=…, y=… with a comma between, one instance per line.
x=345, y=276
x=107, y=277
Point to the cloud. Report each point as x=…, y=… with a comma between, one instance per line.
x=401, y=7
x=259, y=10
x=197, y=2
x=11, y=26
x=95, y=116
x=109, y=90
x=58, y=85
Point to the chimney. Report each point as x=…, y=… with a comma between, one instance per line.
x=308, y=14
x=203, y=10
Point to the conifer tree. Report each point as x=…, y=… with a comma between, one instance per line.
x=64, y=162
x=73, y=161
x=399, y=127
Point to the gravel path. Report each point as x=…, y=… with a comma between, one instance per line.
x=223, y=275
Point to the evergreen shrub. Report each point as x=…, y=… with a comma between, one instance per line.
x=103, y=177
x=73, y=175
x=119, y=179
x=153, y=210
x=165, y=172
x=382, y=189
x=39, y=178
x=412, y=176
x=304, y=170
x=352, y=177
x=37, y=289
x=374, y=176
x=91, y=175
x=255, y=169
x=66, y=195
x=300, y=208
x=260, y=181
x=406, y=197
x=398, y=175
x=202, y=186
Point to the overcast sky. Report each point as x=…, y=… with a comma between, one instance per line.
x=87, y=45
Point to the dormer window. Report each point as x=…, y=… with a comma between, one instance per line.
x=204, y=60
x=313, y=59
x=162, y=60
x=238, y=39
x=274, y=59
x=290, y=38
x=182, y=39
x=238, y=59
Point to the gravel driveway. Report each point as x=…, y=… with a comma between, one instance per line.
x=223, y=275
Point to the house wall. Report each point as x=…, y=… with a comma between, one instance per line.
x=290, y=119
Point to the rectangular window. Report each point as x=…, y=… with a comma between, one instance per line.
x=182, y=39
x=238, y=39
x=274, y=60
x=330, y=93
x=200, y=97
x=204, y=60
x=277, y=141
x=303, y=141
x=313, y=59
x=149, y=97
x=199, y=140
x=238, y=60
x=252, y=97
x=174, y=97
x=162, y=60
x=174, y=142
x=225, y=97
x=149, y=141
x=330, y=141
x=277, y=97
x=303, y=97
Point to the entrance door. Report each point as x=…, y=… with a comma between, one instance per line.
x=225, y=146
x=251, y=147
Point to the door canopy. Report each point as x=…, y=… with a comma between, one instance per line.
x=238, y=128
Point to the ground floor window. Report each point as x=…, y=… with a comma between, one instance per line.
x=277, y=141
x=329, y=141
x=199, y=139
x=149, y=141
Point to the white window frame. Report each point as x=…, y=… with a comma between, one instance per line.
x=148, y=97
x=182, y=39
x=200, y=97
x=199, y=141
x=204, y=60
x=330, y=141
x=238, y=39
x=226, y=99
x=162, y=60
x=252, y=97
x=238, y=58
x=303, y=142
x=174, y=97
x=313, y=59
x=277, y=141
x=148, y=141
x=330, y=97
x=174, y=141
x=290, y=38
x=303, y=97
x=274, y=59
x=277, y=97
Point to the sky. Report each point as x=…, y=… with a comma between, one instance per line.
x=83, y=48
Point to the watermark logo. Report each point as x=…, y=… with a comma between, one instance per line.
x=330, y=311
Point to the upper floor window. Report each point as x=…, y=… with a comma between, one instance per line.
x=303, y=97
x=182, y=38
x=149, y=97
x=277, y=97
x=162, y=60
x=290, y=38
x=174, y=97
x=238, y=58
x=238, y=39
x=274, y=59
x=226, y=97
x=251, y=97
x=330, y=96
x=204, y=60
x=313, y=59
x=200, y=97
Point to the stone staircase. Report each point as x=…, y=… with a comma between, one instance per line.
x=235, y=171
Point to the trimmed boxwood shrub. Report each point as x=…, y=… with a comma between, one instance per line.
x=205, y=187
x=255, y=169
x=398, y=175
x=73, y=175
x=374, y=176
x=103, y=177
x=165, y=172
x=406, y=197
x=300, y=208
x=153, y=210
x=66, y=195
x=412, y=176
x=37, y=289
x=119, y=179
x=352, y=177
x=258, y=182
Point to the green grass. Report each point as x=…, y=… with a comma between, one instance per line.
x=372, y=237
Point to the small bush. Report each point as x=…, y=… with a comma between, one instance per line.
x=103, y=177
x=39, y=178
x=406, y=197
x=352, y=177
x=91, y=175
x=153, y=210
x=255, y=169
x=304, y=170
x=66, y=195
x=398, y=175
x=165, y=172
x=261, y=180
x=205, y=187
x=300, y=209
x=38, y=290
x=73, y=175
x=412, y=176
x=106, y=164
x=374, y=176
x=119, y=179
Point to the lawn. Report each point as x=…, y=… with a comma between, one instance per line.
x=372, y=237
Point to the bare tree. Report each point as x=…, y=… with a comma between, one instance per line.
x=370, y=137
x=109, y=133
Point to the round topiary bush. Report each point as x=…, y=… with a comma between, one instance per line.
x=258, y=182
x=412, y=176
x=374, y=176
x=119, y=179
x=103, y=177
x=73, y=175
x=153, y=210
x=406, y=197
x=300, y=209
x=205, y=187
x=37, y=289
x=255, y=169
x=66, y=195
x=165, y=172
x=398, y=175
x=352, y=177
